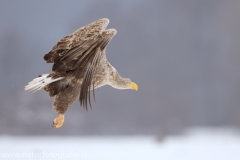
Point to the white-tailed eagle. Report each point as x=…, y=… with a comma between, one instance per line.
x=79, y=65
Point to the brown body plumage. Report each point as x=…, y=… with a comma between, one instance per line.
x=79, y=65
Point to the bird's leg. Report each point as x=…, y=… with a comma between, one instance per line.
x=58, y=121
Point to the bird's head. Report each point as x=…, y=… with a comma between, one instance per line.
x=128, y=84
x=116, y=81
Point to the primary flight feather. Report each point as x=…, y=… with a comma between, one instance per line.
x=79, y=65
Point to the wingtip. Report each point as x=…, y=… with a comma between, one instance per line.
x=111, y=31
x=100, y=24
x=114, y=31
x=106, y=20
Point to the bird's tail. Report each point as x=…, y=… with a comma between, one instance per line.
x=40, y=82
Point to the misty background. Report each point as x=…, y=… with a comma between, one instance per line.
x=183, y=54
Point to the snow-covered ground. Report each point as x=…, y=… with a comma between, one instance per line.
x=196, y=144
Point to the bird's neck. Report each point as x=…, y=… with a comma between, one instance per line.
x=116, y=81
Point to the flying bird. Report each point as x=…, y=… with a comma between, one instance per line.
x=79, y=65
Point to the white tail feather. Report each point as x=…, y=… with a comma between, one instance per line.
x=40, y=82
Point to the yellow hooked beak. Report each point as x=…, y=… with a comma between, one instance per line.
x=133, y=86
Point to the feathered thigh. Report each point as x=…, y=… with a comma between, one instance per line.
x=64, y=99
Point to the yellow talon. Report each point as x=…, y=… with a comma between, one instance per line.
x=58, y=121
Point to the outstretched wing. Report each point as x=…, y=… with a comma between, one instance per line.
x=81, y=51
x=90, y=62
x=83, y=37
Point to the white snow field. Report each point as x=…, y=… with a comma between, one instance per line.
x=196, y=144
